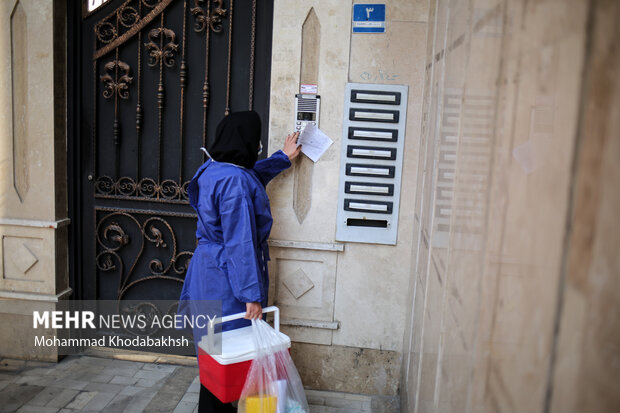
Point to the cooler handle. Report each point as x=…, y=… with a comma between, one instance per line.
x=212, y=323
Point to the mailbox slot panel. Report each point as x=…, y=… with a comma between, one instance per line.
x=371, y=159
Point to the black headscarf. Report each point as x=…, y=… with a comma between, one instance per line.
x=237, y=138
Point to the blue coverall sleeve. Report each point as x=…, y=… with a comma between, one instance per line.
x=269, y=168
x=239, y=233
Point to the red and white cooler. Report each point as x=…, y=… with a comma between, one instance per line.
x=224, y=374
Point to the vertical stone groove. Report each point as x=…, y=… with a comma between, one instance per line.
x=310, y=47
x=309, y=74
x=19, y=85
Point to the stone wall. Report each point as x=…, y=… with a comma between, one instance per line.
x=353, y=313
x=514, y=291
x=33, y=201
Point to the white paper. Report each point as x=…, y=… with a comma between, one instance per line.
x=314, y=142
x=308, y=89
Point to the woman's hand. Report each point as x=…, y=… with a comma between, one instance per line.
x=290, y=146
x=254, y=311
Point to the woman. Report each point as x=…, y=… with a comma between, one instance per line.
x=234, y=221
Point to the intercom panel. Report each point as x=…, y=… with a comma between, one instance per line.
x=373, y=137
x=307, y=109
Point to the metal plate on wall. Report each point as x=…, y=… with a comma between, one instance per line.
x=373, y=136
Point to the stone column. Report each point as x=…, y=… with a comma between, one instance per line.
x=33, y=179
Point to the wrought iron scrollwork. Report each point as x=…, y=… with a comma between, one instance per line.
x=128, y=16
x=164, y=49
x=136, y=250
x=145, y=189
x=169, y=189
x=105, y=32
x=184, y=190
x=148, y=312
x=148, y=188
x=211, y=17
x=105, y=185
x=115, y=233
x=126, y=186
x=113, y=237
x=158, y=53
x=158, y=239
x=125, y=22
x=116, y=85
x=105, y=261
x=181, y=262
x=145, y=311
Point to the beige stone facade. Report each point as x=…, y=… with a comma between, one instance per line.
x=359, y=310
x=500, y=294
x=33, y=200
x=512, y=293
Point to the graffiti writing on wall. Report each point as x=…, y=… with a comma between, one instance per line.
x=381, y=75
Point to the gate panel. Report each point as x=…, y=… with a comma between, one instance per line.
x=157, y=76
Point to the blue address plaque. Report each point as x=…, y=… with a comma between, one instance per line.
x=369, y=18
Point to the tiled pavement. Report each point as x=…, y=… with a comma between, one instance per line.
x=92, y=384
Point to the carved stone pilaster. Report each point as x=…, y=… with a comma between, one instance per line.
x=19, y=86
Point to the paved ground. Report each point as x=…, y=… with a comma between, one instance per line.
x=92, y=384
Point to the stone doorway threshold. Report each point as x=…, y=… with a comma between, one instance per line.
x=321, y=401
x=140, y=356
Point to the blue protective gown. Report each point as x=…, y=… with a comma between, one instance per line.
x=234, y=221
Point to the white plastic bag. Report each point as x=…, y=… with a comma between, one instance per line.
x=273, y=384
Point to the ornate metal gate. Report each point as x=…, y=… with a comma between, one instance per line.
x=155, y=77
